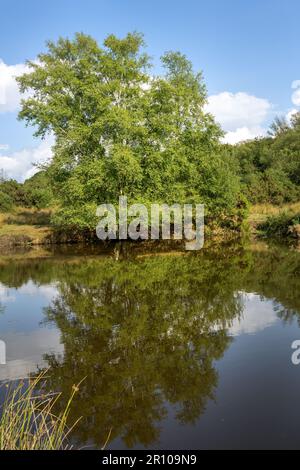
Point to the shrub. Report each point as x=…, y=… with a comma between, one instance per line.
x=6, y=202
x=279, y=225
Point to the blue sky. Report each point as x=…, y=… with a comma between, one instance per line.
x=246, y=49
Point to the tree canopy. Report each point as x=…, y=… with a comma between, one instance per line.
x=119, y=129
x=269, y=168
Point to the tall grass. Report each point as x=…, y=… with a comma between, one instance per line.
x=28, y=421
x=275, y=221
x=271, y=209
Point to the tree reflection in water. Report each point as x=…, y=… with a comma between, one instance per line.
x=142, y=333
x=146, y=331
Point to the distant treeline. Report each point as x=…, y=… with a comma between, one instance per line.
x=269, y=168
x=34, y=192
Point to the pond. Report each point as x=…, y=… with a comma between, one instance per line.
x=178, y=350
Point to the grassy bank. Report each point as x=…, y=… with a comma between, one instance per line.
x=25, y=227
x=280, y=221
x=31, y=227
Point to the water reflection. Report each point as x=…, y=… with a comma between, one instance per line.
x=147, y=332
x=20, y=328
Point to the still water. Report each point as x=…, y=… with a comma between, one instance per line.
x=178, y=350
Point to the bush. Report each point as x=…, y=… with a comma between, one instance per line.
x=38, y=191
x=269, y=168
x=6, y=202
x=14, y=191
x=279, y=225
x=35, y=192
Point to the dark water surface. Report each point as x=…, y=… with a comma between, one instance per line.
x=179, y=350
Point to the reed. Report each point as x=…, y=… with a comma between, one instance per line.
x=28, y=421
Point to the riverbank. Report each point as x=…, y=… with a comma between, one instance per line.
x=25, y=227
x=275, y=221
x=31, y=227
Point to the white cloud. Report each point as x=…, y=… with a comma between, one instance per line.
x=9, y=91
x=25, y=351
x=258, y=314
x=296, y=97
x=19, y=165
x=48, y=291
x=241, y=115
x=5, y=294
x=290, y=114
x=4, y=147
x=295, y=100
x=235, y=110
x=295, y=84
x=296, y=94
x=243, y=133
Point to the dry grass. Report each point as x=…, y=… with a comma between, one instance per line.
x=29, y=230
x=24, y=226
x=26, y=216
x=260, y=212
x=28, y=421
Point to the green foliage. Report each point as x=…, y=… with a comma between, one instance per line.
x=34, y=192
x=121, y=130
x=270, y=167
x=6, y=202
x=278, y=126
x=280, y=224
x=38, y=192
x=14, y=191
